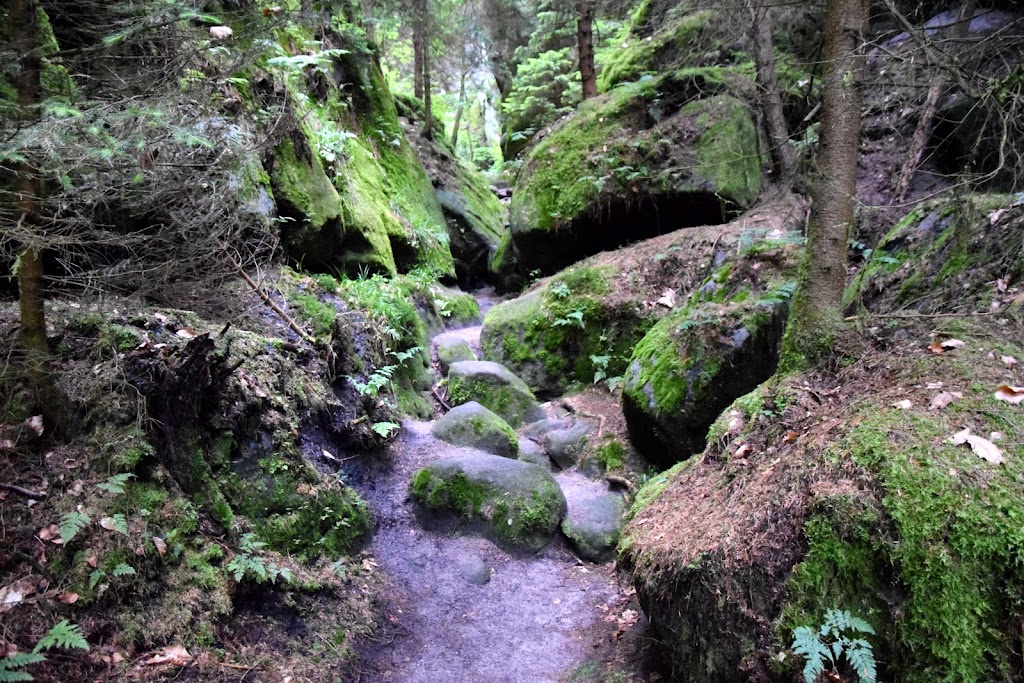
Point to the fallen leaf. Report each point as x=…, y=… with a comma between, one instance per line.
x=6, y=445
x=982, y=447
x=953, y=344
x=903, y=405
x=790, y=436
x=68, y=597
x=994, y=217
x=185, y=333
x=668, y=298
x=92, y=560
x=35, y=423
x=1009, y=394
x=12, y=594
x=161, y=546
x=735, y=421
x=221, y=32
x=328, y=454
x=49, y=532
x=744, y=450
x=174, y=655
x=934, y=385
x=995, y=436
x=944, y=399
x=936, y=348
x=1009, y=361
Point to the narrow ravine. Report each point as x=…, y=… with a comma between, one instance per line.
x=459, y=607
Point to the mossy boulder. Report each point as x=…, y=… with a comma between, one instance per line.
x=516, y=504
x=475, y=217
x=817, y=493
x=593, y=525
x=550, y=335
x=614, y=173
x=452, y=348
x=495, y=387
x=472, y=425
x=356, y=194
x=693, y=364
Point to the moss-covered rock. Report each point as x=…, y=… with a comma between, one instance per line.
x=472, y=425
x=550, y=335
x=452, y=348
x=475, y=217
x=516, y=504
x=593, y=525
x=816, y=494
x=356, y=194
x=643, y=160
x=493, y=386
x=693, y=364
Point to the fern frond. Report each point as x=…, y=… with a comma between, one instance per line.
x=123, y=570
x=10, y=664
x=63, y=634
x=862, y=659
x=115, y=484
x=71, y=524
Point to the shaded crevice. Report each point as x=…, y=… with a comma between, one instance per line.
x=616, y=224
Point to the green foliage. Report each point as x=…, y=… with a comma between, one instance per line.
x=116, y=483
x=11, y=665
x=65, y=635
x=385, y=429
x=123, y=569
x=546, y=88
x=838, y=638
x=72, y=523
x=248, y=564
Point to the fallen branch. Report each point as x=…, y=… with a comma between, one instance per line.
x=437, y=397
x=925, y=315
x=28, y=493
x=273, y=305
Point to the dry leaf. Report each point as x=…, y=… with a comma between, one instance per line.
x=185, y=333
x=952, y=344
x=14, y=593
x=995, y=436
x=936, y=348
x=1010, y=394
x=982, y=447
x=49, y=533
x=744, y=450
x=735, y=421
x=35, y=423
x=68, y=597
x=934, y=385
x=1009, y=361
x=174, y=655
x=903, y=405
x=6, y=445
x=668, y=298
x=944, y=399
x=221, y=32
x=161, y=545
x=92, y=560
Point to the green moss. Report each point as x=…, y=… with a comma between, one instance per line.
x=314, y=311
x=456, y=493
x=611, y=454
x=304, y=185
x=728, y=157
x=947, y=556
x=640, y=54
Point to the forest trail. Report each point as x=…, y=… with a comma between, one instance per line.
x=462, y=609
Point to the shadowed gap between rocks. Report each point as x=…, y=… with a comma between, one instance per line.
x=618, y=223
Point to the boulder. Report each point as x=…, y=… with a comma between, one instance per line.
x=562, y=439
x=452, y=348
x=531, y=451
x=516, y=504
x=593, y=525
x=616, y=173
x=472, y=425
x=693, y=364
x=495, y=387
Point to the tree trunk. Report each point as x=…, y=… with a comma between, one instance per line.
x=458, y=112
x=417, y=52
x=816, y=318
x=783, y=156
x=585, y=38
x=31, y=287
x=931, y=106
x=428, y=115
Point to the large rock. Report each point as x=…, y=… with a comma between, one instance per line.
x=581, y=325
x=495, y=387
x=593, y=525
x=472, y=425
x=452, y=347
x=516, y=504
x=475, y=217
x=617, y=173
x=356, y=194
x=693, y=364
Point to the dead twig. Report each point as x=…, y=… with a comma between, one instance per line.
x=28, y=493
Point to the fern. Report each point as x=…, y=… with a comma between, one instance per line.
x=10, y=664
x=115, y=484
x=71, y=524
x=384, y=429
x=123, y=570
x=118, y=523
x=63, y=634
x=832, y=642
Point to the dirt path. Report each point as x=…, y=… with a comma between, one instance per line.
x=532, y=622
x=460, y=608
